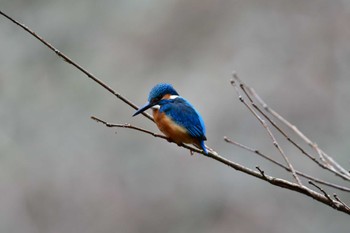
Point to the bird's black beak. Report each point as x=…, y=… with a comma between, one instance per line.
x=144, y=108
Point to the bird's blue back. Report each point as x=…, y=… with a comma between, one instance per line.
x=185, y=115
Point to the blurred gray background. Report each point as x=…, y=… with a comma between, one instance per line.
x=62, y=172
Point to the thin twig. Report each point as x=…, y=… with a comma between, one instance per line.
x=274, y=141
x=128, y=126
x=261, y=171
x=322, y=191
x=338, y=199
x=341, y=172
x=342, y=188
x=71, y=62
x=331, y=161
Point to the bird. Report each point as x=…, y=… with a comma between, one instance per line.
x=175, y=116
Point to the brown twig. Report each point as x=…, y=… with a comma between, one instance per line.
x=128, y=126
x=71, y=62
x=338, y=199
x=330, y=165
x=274, y=141
x=324, y=192
x=261, y=171
x=342, y=188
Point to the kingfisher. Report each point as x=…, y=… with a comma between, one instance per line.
x=175, y=116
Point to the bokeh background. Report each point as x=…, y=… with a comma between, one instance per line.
x=62, y=172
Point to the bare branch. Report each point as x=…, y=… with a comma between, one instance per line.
x=260, y=174
x=255, y=151
x=337, y=198
x=129, y=126
x=324, y=192
x=71, y=62
x=329, y=163
x=274, y=141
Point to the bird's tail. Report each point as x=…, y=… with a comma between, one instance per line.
x=204, y=147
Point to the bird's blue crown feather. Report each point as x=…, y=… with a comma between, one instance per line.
x=161, y=89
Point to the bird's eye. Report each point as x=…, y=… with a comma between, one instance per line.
x=156, y=99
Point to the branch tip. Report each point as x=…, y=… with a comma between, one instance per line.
x=324, y=193
x=261, y=171
x=338, y=199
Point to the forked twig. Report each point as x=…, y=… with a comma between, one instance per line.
x=274, y=141
x=337, y=198
x=322, y=191
x=258, y=174
x=71, y=62
x=328, y=162
x=255, y=151
x=128, y=126
x=261, y=171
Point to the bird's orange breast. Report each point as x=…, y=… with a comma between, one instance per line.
x=172, y=130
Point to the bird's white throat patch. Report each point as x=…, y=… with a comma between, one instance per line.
x=156, y=107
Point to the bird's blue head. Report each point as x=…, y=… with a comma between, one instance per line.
x=158, y=92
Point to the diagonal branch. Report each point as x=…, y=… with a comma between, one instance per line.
x=255, y=151
x=322, y=191
x=274, y=141
x=328, y=162
x=128, y=126
x=258, y=174
x=337, y=198
x=71, y=62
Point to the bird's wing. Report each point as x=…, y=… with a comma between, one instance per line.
x=183, y=113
